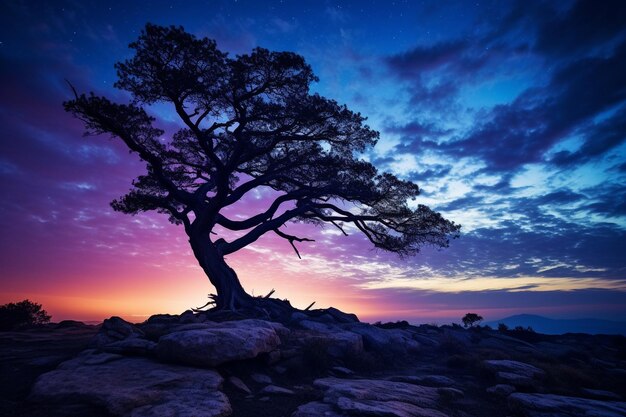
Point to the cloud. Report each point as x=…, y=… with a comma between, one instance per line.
x=412, y=63
x=598, y=139
x=585, y=27
x=522, y=132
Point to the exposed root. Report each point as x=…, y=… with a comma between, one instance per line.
x=272, y=309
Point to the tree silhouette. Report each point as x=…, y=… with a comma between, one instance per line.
x=22, y=314
x=471, y=319
x=250, y=122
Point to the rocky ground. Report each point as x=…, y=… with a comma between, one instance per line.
x=325, y=363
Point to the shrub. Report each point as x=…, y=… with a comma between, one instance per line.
x=526, y=334
x=502, y=327
x=25, y=313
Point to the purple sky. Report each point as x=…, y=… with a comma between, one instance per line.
x=511, y=116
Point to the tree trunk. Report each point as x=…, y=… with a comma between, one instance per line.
x=230, y=293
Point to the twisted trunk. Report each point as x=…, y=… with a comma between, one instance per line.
x=230, y=293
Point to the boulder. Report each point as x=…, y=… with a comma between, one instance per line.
x=276, y=390
x=501, y=390
x=64, y=324
x=370, y=397
x=337, y=342
x=239, y=384
x=342, y=371
x=297, y=317
x=450, y=394
x=131, y=346
x=162, y=319
x=115, y=329
x=188, y=317
x=600, y=394
x=516, y=380
x=131, y=386
x=341, y=317
x=384, y=408
x=212, y=345
x=316, y=409
x=428, y=380
x=384, y=340
x=514, y=367
x=261, y=378
x=543, y=405
x=318, y=326
x=377, y=390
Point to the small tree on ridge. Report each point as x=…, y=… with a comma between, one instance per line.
x=471, y=319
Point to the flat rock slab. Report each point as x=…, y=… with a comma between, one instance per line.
x=379, y=390
x=514, y=367
x=548, y=405
x=384, y=340
x=510, y=378
x=212, y=345
x=135, y=387
x=336, y=342
x=276, y=390
x=317, y=409
x=502, y=390
x=384, y=408
x=428, y=380
x=370, y=397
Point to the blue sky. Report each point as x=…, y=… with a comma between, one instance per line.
x=511, y=116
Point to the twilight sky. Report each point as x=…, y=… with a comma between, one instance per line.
x=510, y=115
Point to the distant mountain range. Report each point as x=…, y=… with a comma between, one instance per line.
x=558, y=326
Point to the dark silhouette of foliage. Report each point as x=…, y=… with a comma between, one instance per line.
x=24, y=313
x=250, y=122
x=502, y=327
x=471, y=319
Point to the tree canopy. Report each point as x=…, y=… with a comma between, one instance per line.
x=24, y=313
x=247, y=122
x=471, y=319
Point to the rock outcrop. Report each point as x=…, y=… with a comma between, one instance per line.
x=371, y=397
x=218, y=343
x=132, y=386
x=323, y=364
x=549, y=405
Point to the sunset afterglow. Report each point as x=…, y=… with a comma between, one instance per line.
x=510, y=118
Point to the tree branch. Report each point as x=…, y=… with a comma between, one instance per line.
x=260, y=230
x=291, y=239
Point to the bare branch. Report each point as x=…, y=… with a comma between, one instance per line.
x=292, y=239
x=338, y=226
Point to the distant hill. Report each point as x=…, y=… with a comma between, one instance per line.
x=557, y=326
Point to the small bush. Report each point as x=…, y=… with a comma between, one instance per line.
x=18, y=315
x=503, y=327
x=526, y=334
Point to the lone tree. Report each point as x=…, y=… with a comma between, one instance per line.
x=250, y=122
x=471, y=319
